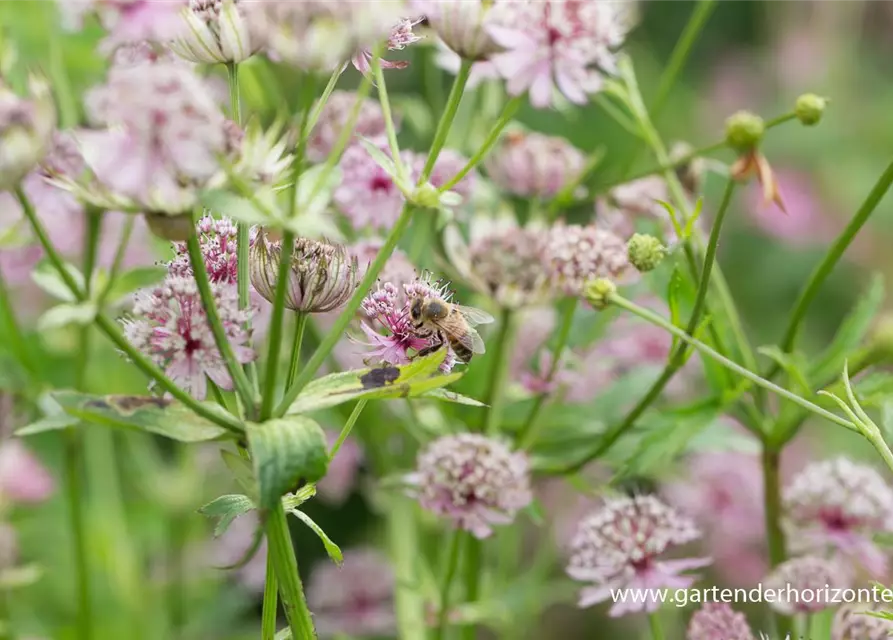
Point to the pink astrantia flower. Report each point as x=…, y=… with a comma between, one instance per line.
x=840, y=504
x=551, y=44
x=398, y=270
x=447, y=165
x=618, y=547
x=473, y=480
x=482, y=71
x=130, y=21
x=333, y=118
x=401, y=37
x=232, y=545
x=381, y=306
x=533, y=164
x=855, y=622
x=461, y=26
x=169, y=325
x=638, y=200
x=807, y=574
x=23, y=478
x=718, y=621
x=575, y=254
x=341, y=475
x=367, y=194
x=218, y=241
x=355, y=599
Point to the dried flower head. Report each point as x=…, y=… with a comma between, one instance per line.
x=333, y=118
x=855, y=622
x=576, y=254
x=216, y=31
x=461, y=26
x=718, y=621
x=802, y=584
x=473, y=480
x=26, y=129
x=168, y=323
x=356, y=599
x=322, y=276
x=840, y=504
x=618, y=546
x=563, y=44
x=533, y=164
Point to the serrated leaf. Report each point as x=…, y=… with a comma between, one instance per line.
x=851, y=333
x=419, y=377
x=134, y=280
x=242, y=471
x=227, y=508
x=160, y=416
x=331, y=548
x=62, y=315
x=451, y=396
x=47, y=278
x=285, y=452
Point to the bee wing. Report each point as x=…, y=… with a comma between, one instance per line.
x=472, y=340
x=474, y=316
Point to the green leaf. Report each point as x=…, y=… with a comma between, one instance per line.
x=312, y=197
x=671, y=210
x=851, y=333
x=160, y=416
x=135, y=279
x=226, y=508
x=381, y=159
x=451, y=396
x=331, y=548
x=674, y=291
x=233, y=206
x=690, y=225
x=242, y=471
x=792, y=364
x=419, y=377
x=47, y=423
x=47, y=278
x=285, y=452
x=62, y=315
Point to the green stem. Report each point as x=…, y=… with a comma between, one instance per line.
x=337, y=331
x=200, y=273
x=452, y=567
x=835, y=253
x=528, y=434
x=653, y=318
x=511, y=108
x=663, y=167
x=323, y=99
x=773, y=509
x=12, y=332
x=390, y=130
x=74, y=489
x=235, y=103
x=271, y=601
x=446, y=120
x=403, y=539
x=657, y=630
x=300, y=324
x=472, y=579
x=279, y=546
x=275, y=341
x=346, y=429
x=501, y=357
x=118, y=260
x=66, y=101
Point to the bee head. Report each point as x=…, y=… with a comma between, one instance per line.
x=415, y=311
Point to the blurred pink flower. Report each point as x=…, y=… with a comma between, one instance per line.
x=473, y=480
x=398, y=270
x=448, y=164
x=367, y=195
x=807, y=220
x=549, y=44
x=735, y=83
x=718, y=621
x=341, y=476
x=855, y=622
x=381, y=306
x=131, y=21
x=233, y=544
x=534, y=164
x=640, y=199
x=482, y=71
x=333, y=118
x=618, y=546
x=575, y=254
x=801, y=58
x=23, y=478
x=807, y=573
x=355, y=599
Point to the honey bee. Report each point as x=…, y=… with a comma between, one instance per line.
x=448, y=323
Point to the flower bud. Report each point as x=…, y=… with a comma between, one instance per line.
x=645, y=252
x=26, y=129
x=215, y=31
x=598, y=291
x=744, y=130
x=809, y=108
x=426, y=196
x=461, y=26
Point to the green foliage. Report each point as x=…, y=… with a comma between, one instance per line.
x=226, y=509
x=331, y=548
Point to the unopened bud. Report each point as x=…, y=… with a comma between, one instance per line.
x=809, y=108
x=173, y=228
x=881, y=342
x=426, y=196
x=645, y=252
x=597, y=292
x=744, y=130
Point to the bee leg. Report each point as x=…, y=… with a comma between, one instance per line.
x=437, y=344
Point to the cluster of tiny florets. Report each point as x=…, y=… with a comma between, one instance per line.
x=218, y=242
x=811, y=574
x=575, y=254
x=855, y=622
x=718, y=621
x=534, y=164
x=474, y=480
x=510, y=266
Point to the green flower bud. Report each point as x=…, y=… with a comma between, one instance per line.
x=744, y=130
x=426, y=196
x=598, y=291
x=809, y=108
x=645, y=252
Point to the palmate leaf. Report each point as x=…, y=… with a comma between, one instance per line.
x=160, y=416
x=419, y=378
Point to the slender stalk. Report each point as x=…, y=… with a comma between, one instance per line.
x=529, y=432
x=14, y=337
x=323, y=99
x=279, y=546
x=346, y=429
x=773, y=509
x=653, y=318
x=271, y=601
x=390, y=129
x=300, y=324
x=276, y=322
x=452, y=567
x=472, y=579
x=835, y=253
x=403, y=540
x=200, y=273
x=118, y=260
x=66, y=102
x=501, y=354
x=446, y=120
x=657, y=630
x=337, y=331
x=511, y=108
